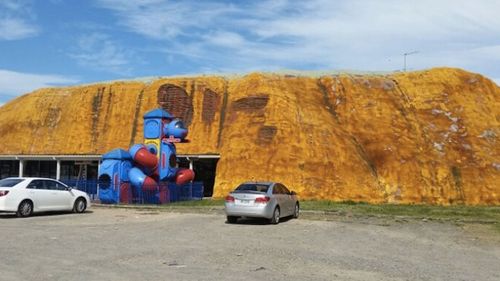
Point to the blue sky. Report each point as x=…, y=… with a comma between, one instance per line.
x=65, y=42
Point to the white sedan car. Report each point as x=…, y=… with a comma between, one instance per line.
x=24, y=196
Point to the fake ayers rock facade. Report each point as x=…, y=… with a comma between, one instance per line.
x=418, y=137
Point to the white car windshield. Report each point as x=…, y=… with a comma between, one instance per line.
x=10, y=182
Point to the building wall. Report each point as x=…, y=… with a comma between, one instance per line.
x=428, y=136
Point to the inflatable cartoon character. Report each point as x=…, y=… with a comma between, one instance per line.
x=127, y=176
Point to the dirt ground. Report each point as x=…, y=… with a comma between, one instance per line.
x=130, y=244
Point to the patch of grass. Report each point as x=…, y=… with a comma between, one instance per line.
x=181, y=205
x=460, y=213
x=198, y=203
x=457, y=212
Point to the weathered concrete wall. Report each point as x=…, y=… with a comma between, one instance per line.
x=429, y=136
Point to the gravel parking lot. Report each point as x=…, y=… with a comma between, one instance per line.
x=129, y=244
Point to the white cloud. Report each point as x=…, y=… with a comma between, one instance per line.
x=225, y=39
x=14, y=83
x=98, y=51
x=321, y=34
x=13, y=29
x=162, y=19
x=375, y=34
x=15, y=17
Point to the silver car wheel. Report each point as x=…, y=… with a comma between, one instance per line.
x=297, y=211
x=276, y=216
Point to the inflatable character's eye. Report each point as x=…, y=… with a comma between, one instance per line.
x=180, y=125
x=175, y=129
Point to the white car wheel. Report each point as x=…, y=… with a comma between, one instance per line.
x=80, y=205
x=25, y=209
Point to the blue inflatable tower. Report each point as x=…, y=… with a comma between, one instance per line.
x=114, y=183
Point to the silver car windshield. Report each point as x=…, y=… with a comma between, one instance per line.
x=10, y=182
x=252, y=187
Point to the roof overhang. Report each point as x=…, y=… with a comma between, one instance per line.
x=94, y=157
x=68, y=157
x=199, y=156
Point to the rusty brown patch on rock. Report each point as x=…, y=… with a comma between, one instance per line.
x=266, y=134
x=210, y=106
x=176, y=101
x=251, y=103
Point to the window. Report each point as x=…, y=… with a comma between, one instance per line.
x=68, y=170
x=53, y=185
x=277, y=189
x=43, y=169
x=61, y=186
x=36, y=184
x=280, y=189
x=9, y=168
x=10, y=182
x=252, y=187
x=285, y=190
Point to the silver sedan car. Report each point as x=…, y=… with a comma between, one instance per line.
x=268, y=200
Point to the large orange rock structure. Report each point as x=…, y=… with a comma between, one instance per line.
x=419, y=137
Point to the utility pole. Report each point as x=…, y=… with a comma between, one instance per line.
x=405, y=55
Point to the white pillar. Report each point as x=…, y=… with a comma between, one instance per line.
x=58, y=170
x=191, y=163
x=21, y=167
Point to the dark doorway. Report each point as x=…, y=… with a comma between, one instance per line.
x=204, y=169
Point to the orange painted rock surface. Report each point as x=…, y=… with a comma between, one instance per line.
x=418, y=137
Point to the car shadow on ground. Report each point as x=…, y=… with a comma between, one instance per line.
x=43, y=214
x=258, y=221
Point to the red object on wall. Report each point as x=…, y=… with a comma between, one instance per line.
x=146, y=159
x=184, y=176
x=125, y=193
